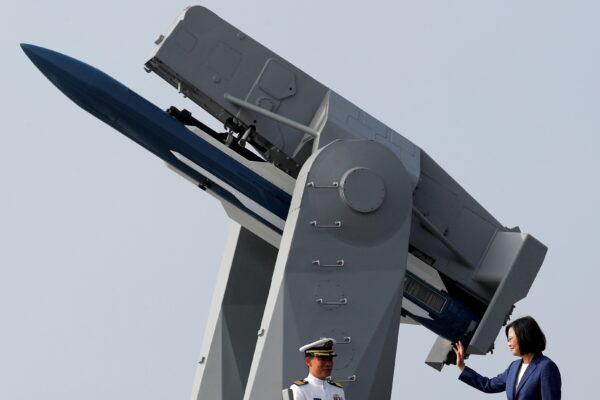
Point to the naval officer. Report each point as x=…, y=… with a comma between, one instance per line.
x=318, y=357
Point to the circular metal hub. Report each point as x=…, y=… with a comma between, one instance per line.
x=362, y=189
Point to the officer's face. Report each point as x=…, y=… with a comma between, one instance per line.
x=320, y=367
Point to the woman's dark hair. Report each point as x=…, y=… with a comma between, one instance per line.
x=529, y=335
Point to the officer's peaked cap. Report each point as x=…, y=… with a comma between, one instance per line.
x=320, y=348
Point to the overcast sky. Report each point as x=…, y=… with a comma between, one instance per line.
x=108, y=259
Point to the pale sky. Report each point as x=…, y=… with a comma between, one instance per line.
x=108, y=259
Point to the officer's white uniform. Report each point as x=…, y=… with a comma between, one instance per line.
x=312, y=388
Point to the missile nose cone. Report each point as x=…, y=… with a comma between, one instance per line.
x=42, y=58
x=28, y=49
x=88, y=87
x=57, y=67
x=69, y=75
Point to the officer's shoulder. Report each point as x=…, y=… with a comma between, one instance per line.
x=339, y=385
x=300, y=382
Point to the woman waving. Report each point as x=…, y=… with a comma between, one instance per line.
x=533, y=376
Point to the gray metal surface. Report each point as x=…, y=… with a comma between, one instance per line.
x=287, y=394
x=337, y=118
x=362, y=190
x=307, y=300
x=334, y=250
x=510, y=265
x=439, y=353
x=236, y=312
x=480, y=238
x=206, y=58
x=221, y=59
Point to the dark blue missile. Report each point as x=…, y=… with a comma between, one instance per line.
x=159, y=132
x=172, y=141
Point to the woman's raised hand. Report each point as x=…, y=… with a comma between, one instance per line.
x=459, y=349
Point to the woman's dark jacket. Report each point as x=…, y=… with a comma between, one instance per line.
x=541, y=380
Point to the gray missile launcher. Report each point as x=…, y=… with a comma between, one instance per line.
x=368, y=206
x=343, y=227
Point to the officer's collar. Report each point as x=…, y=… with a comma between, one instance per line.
x=314, y=380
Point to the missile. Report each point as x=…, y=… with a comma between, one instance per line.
x=163, y=135
x=237, y=177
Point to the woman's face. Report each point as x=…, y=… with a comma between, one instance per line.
x=513, y=342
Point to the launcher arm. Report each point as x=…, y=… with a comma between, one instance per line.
x=339, y=272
